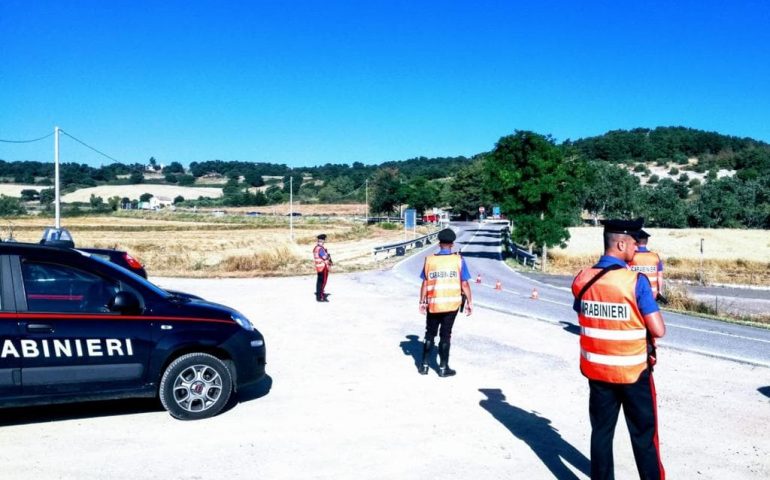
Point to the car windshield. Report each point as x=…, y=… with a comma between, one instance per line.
x=137, y=278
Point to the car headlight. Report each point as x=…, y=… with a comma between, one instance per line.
x=241, y=320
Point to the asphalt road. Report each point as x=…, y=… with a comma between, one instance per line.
x=480, y=245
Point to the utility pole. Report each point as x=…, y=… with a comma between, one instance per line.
x=57, y=200
x=291, y=207
x=366, y=190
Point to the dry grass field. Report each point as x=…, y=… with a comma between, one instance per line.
x=135, y=191
x=229, y=246
x=729, y=256
x=14, y=189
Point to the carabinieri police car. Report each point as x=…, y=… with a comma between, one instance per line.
x=75, y=327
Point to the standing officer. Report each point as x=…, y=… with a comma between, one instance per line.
x=619, y=321
x=650, y=264
x=444, y=291
x=322, y=260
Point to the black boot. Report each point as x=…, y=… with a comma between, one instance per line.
x=426, y=348
x=443, y=355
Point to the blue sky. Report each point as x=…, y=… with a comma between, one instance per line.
x=313, y=82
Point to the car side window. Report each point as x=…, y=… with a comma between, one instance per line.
x=51, y=287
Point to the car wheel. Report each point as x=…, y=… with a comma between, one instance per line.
x=195, y=386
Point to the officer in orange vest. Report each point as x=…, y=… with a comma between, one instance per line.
x=650, y=264
x=322, y=261
x=444, y=291
x=619, y=321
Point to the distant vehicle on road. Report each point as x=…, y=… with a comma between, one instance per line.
x=294, y=214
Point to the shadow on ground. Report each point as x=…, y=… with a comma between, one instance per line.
x=76, y=411
x=109, y=408
x=538, y=433
x=413, y=347
x=570, y=327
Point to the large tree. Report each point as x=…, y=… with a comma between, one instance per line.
x=385, y=191
x=530, y=178
x=465, y=193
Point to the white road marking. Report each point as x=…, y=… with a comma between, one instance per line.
x=717, y=333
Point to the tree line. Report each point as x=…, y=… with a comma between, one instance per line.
x=543, y=185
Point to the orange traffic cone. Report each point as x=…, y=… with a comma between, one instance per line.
x=534, y=295
x=498, y=285
x=478, y=278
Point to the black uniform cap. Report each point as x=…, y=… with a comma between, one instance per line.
x=643, y=234
x=446, y=235
x=321, y=236
x=632, y=228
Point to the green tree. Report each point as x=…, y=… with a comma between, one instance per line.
x=532, y=182
x=47, y=195
x=174, y=167
x=136, y=177
x=145, y=197
x=608, y=190
x=29, y=195
x=113, y=203
x=253, y=178
x=10, y=206
x=385, y=191
x=96, y=202
x=422, y=194
x=186, y=180
x=274, y=194
x=178, y=199
x=465, y=193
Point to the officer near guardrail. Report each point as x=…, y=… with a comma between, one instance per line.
x=445, y=291
x=323, y=261
x=649, y=263
x=619, y=321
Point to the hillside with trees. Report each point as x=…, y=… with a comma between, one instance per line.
x=673, y=176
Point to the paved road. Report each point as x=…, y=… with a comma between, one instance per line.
x=481, y=246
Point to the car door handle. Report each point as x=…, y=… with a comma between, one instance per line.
x=39, y=328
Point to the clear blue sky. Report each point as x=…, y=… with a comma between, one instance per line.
x=310, y=82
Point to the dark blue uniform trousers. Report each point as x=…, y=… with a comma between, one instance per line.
x=640, y=409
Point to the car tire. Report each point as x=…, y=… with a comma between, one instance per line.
x=195, y=386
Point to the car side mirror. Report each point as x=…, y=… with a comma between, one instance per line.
x=126, y=303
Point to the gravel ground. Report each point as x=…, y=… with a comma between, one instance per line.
x=344, y=401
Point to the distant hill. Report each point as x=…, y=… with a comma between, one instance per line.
x=668, y=144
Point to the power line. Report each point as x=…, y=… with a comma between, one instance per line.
x=89, y=146
x=27, y=141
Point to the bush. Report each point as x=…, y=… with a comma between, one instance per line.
x=653, y=179
x=388, y=226
x=10, y=206
x=673, y=171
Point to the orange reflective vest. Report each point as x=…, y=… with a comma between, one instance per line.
x=443, y=283
x=647, y=263
x=613, y=336
x=320, y=263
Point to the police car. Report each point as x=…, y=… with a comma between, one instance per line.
x=75, y=327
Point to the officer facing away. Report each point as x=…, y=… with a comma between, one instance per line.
x=322, y=260
x=619, y=321
x=444, y=291
x=650, y=264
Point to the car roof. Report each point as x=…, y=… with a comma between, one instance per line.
x=11, y=248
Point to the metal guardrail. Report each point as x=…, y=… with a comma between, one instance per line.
x=401, y=247
x=522, y=256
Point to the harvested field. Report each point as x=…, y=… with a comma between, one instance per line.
x=135, y=191
x=229, y=246
x=14, y=189
x=729, y=255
